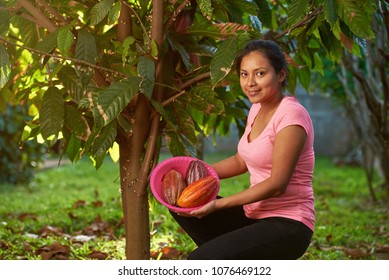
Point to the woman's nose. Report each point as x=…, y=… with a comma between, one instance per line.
x=251, y=80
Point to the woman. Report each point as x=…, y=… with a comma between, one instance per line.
x=274, y=217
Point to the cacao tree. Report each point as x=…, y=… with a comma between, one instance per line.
x=141, y=74
x=368, y=97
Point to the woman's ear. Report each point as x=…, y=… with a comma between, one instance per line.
x=282, y=75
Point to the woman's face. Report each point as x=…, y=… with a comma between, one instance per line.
x=258, y=79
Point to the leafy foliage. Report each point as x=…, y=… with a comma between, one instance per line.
x=18, y=160
x=85, y=45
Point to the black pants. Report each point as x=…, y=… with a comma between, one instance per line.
x=229, y=234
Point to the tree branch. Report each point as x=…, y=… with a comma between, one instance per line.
x=52, y=11
x=171, y=99
x=38, y=15
x=308, y=17
x=157, y=36
x=60, y=57
x=195, y=80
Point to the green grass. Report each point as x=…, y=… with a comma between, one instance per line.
x=77, y=201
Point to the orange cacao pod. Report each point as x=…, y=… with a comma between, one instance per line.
x=172, y=186
x=197, y=193
x=195, y=171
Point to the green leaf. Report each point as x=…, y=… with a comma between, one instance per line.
x=304, y=76
x=204, y=99
x=126, y=47
x=27, y=31
x=292, y=79
x=330, y=43
x=51, y=114
x=100, y=11
x=205, y=8
x=178, y=144
x=5, y=67
x=86, y=47
x=125, y=124
x=154, y=49
x=104, y=140
x=86, y=51
x=4, y=19
x=48, y=44
x=146, y=70
x=264, y=13
x=329, y=11
x=72, y=83
x=114, y=99
x=76, y=122
x=65, y=40
x=357, y=15
x=223, y=60
x=203, y=28
x=296, y=11
x=318, y=64
x=114, y=13
x=73, y=148
x=184, y=122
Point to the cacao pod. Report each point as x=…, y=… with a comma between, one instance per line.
x=172, y=186
x=197, y=193
x=195, y=171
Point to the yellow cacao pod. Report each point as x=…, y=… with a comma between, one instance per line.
x=197, y=193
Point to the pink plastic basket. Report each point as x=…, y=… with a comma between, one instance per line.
x=181, y=164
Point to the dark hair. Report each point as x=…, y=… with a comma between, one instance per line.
x=270, y=49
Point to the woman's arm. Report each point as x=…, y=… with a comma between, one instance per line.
x=288, y=145
x=230, y=167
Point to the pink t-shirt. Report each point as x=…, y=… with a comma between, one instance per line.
x=297, y=202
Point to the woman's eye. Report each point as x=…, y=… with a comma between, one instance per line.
x=243, y=74
x=260, y=73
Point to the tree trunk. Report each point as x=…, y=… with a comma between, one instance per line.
x=135, y=209
x=133, y=187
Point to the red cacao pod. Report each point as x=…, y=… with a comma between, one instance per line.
x=197, y=193
x=195, y=171
x=172, y=186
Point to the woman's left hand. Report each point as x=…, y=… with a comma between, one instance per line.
x=205, y=210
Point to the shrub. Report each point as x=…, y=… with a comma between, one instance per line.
x=17, y=162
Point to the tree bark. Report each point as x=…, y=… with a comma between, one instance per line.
x=133, y=187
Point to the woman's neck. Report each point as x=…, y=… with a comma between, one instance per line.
x=272, y=104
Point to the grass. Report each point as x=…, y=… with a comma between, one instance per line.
x=74, y=212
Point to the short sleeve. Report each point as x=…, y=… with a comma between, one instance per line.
x=293, y=114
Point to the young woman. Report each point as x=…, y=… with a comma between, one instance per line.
x=274, y=217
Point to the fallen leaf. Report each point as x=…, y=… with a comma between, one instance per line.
x=72, y=216
x=170, y=253
x=79, y=203
x=355, y=253
x=24, y=216
x=382, y=249
x=98, y=255
x=27, y=247
x=99, y=228
x=54, y=251
x=97, y=203
x=50, y=230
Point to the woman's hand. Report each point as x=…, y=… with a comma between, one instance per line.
x=205, y=210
